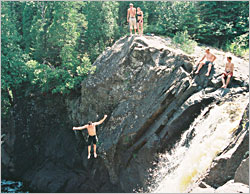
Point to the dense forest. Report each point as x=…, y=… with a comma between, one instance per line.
x=49, y=47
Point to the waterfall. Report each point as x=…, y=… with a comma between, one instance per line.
x=208, y=135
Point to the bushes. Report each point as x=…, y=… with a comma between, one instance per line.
x=55, y=79
x=182, y=40
x=239, y=46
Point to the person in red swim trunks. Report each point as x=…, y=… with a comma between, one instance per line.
x=92, y=134
x=228, y=72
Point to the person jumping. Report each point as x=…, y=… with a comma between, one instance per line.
x=92, y=134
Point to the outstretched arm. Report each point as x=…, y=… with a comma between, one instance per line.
x=101, y=121
x=202, y=58
x=80, y=128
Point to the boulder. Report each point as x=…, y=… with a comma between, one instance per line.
x=224, y=166
x=242, y=172
x=232, y=187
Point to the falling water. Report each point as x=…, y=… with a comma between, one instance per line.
x=208, y=135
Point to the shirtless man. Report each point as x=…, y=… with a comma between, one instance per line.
x=228, y=72
x=131, y=18
x=92, y=134
x=209, y=61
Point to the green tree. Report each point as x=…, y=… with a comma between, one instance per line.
x=101, y=28
x=13, y=68
x=222, y=21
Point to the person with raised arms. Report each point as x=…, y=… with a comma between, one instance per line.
x=91, y=127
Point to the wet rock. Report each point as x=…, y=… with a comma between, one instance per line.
x=224, y=166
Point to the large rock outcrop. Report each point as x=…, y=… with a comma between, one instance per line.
x=151, y=96
x=225, y=165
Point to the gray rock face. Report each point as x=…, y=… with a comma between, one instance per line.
x=225, y=165
x=242, y=172
x=151, y=96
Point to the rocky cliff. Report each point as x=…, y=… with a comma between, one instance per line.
x=151, y=96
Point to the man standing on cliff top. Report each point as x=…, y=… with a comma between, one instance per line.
x=92, y=134
x=210, y=58
x=131, y=18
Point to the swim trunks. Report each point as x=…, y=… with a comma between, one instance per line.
x=92, y=139
x=132, y=22
x=227, y=73
x=139, y=21
x=207, y=62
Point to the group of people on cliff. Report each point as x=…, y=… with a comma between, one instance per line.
x=138, y=24
x=210, y=58
x=131, y=19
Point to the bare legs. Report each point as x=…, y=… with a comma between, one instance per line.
x=140, y=25
x=95, y=155
x=199, y=67
x=131, y=31
x=138, y=28
x=224, y=85
x=89, y=149
x=208, y=70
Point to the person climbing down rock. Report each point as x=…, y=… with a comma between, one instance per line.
x=228, y=72
x=92, y=134
x=210, y=58
x=131, y=18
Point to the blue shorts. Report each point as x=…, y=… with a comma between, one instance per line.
x=207, y=62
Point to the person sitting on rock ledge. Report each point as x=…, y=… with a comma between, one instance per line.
x=210, y=58
x=92, y=134
x=228, y=72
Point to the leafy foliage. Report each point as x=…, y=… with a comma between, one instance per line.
x=239, y=45
x=183, y=40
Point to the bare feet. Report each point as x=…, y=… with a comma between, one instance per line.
x=89, y=156
x=224, y=86
x=95, y=155
x=196, y=72
x=207, y=74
